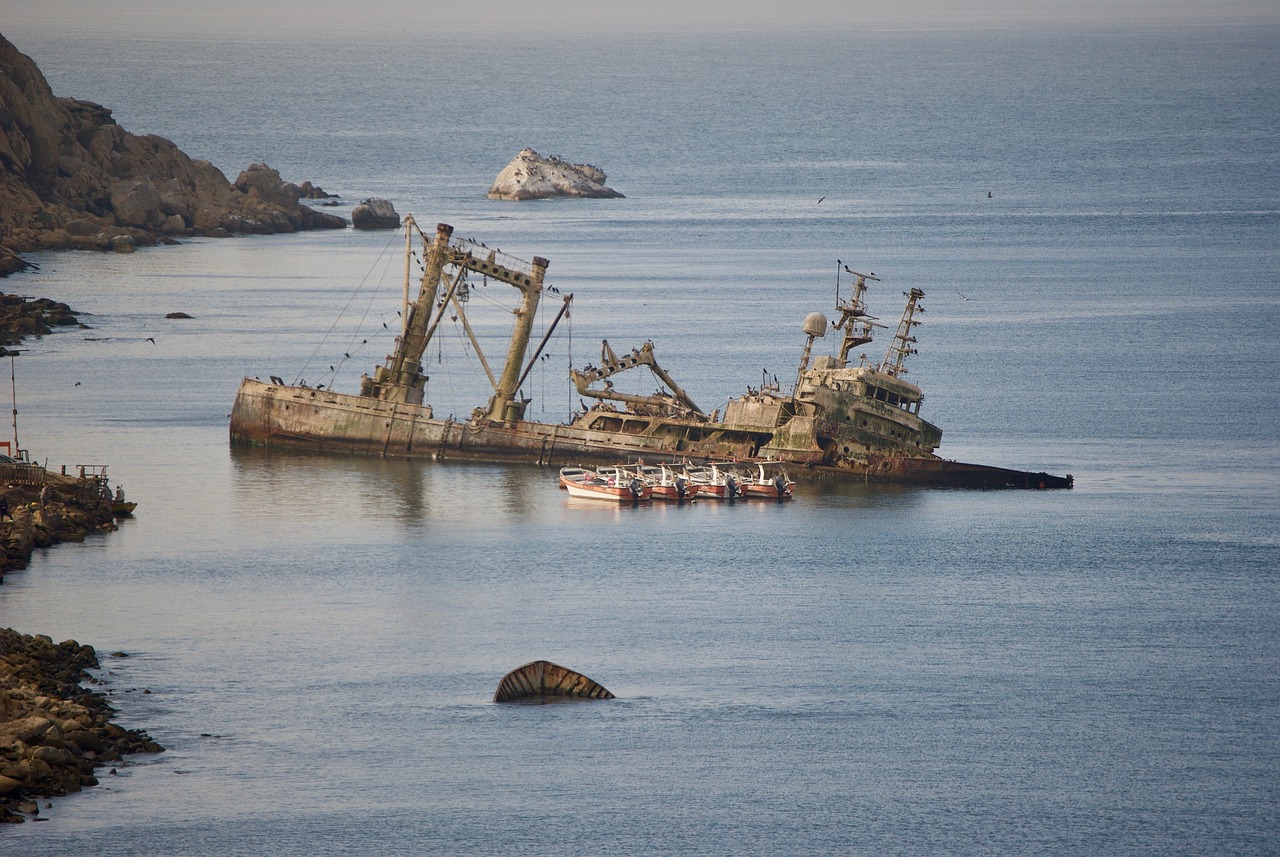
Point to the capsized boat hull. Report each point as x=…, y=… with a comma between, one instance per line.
x=278, y=416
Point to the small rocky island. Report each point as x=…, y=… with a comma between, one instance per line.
x=71, y=178
x=532, y=176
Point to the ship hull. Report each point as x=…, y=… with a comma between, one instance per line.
x=278, y=416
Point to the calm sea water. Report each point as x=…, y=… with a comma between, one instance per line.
x=1094, y=216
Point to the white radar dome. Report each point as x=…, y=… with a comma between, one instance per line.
x=815, y=324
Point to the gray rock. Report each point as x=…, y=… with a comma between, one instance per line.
x=375, y=214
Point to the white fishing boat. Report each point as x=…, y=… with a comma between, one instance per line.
x=715, y=481
x=674, y=484
x=610, y=483
x=668, y=482
x=765, y=479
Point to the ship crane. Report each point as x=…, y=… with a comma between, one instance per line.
x=401, y=379
x=675, y=403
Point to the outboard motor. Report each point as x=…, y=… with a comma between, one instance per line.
x=682, y=487
x=781, y=485
x=731, y=487
x=635, y=489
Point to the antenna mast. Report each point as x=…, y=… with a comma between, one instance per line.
x=903, y=340
x=854, y=320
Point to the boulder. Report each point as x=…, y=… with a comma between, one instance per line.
x=136, y=203
x=375, y=214
x=26, y=730
x=261, y=182
x=82, y=227
x=532, y=176
x=310, y=191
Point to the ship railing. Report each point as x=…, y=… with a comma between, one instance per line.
x=480, y=250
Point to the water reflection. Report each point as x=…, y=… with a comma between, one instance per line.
x=414, y=493
x=322, y=489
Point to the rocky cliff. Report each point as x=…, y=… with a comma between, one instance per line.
x=71, y=178
x=532, y=176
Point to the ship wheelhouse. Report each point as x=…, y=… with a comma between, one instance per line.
x=867, y=407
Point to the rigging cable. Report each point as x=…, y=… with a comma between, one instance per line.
x=569, y=388
x=351, y=299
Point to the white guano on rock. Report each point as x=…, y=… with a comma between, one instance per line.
x=532, y=176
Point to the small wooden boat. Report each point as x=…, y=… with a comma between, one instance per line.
x=673, y=484
x=667, y=481
x=715, y=481
x=612, y=484
x=568, y=474
x=765, y=479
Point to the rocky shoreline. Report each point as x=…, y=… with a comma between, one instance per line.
x=53, y=732
x=21, y=317
x=69, y=511
x=72, y=179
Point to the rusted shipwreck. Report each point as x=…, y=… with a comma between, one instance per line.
x=840, y=419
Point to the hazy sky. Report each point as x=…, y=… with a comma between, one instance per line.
x=594, y=15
